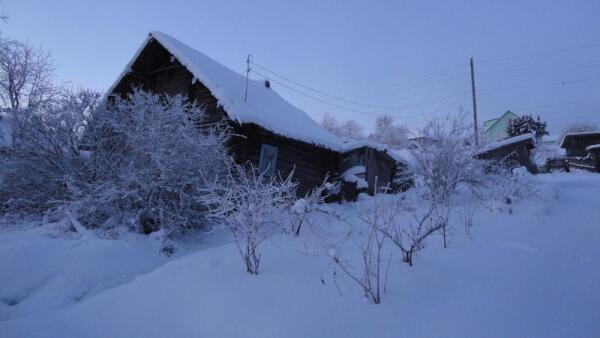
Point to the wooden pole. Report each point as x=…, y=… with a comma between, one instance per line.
x=247, y=74
x=474, y=104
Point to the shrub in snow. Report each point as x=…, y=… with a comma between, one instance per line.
x=43, y=169
x=409, y=236
x=371, y=275
x=313, y=201
x=147, y=160
x=526, y=124
x=248, y=204
x=443, y=165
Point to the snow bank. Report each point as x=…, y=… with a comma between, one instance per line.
x=43, y=268
x=496, y=285
x=264, y=106
x=529, y=273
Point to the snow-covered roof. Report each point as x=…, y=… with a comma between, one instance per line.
x=592, y=147
x=506, y=142
x=395, y=154
x=5, y=134
x=581, y=133
x=263, y=106
x=491, y=123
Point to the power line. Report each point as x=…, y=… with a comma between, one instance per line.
x=416, y=79
x=562, y=83
x=316, y=90
x=335, y=97
x=360, y=111
x=551, y=51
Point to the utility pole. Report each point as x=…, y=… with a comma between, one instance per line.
x=474, y=103
x=247, y=74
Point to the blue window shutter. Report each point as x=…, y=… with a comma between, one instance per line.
x=268, y=159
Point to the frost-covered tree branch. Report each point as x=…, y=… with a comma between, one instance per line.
x=445, y=162
x=26, y=75
x=247, y=204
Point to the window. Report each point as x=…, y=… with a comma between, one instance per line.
x=267, y=160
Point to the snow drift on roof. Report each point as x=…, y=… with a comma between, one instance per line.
x=506, y=142
x=592, y=147
x=581, y=133
x=263, y=107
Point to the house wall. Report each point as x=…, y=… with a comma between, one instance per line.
x=157, y=71
x=497, y=131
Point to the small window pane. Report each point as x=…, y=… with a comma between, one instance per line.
x=268, y=159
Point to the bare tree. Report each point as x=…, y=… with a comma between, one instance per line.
x=349, y=129
x=352, y=130
x=26, y=75
x=246, y=205
x=578, y=127
x=330, y=123
x=387, y=132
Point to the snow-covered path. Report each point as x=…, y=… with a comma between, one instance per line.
x=534, y=272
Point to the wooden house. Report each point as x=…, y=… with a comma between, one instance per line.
x=514, y=151
x=270, y=133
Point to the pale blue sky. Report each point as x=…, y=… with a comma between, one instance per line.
x=540, y=57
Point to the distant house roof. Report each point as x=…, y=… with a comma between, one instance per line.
x=488, y=123
x=491, y=123
x=263, y=107
x=581, y=133
x=506, y=142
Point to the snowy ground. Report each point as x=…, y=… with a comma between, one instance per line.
x=530, y=272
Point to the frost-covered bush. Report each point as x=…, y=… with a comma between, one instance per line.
x=371, y=244
x=248, y=204
x=148, y=162
x=444, y=164
x=44, y=169
x=505, y=184
x=313, y=201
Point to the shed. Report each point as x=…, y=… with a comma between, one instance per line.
x=515, y=151
x=370, y=166
x=270, y=133
x=575, y=143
